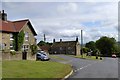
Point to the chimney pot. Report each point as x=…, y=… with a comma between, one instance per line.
x=77, y=38
x=2, y=11
x=60, y=40
x=53, y=40
x=4, y=16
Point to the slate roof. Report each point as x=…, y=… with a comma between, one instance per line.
x=64, y=44
x=15, y=26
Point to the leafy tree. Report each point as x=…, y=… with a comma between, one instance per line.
x=91, y=46
x=85, y=50
x=42, y=43
x=106, y=45
x=116, y=49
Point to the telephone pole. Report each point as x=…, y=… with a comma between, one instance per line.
x=81, y=42
x=44, y=38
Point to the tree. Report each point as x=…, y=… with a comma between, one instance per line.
x=106, y=45
x=85, y=50
x=42, y=43
x=91, y=46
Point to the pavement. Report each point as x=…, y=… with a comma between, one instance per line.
x=82, y=68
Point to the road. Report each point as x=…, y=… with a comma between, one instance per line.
x=107, y=68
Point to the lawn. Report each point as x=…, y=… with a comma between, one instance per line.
x=57, y=57
x=88, y=57
x=0, y=69
x=34, y=69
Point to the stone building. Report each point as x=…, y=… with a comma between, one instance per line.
x=65, y=47
x=10, y=28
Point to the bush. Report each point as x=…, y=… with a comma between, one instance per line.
x=34, y=49
x=13, y=52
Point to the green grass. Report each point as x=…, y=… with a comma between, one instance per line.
x=34, y=69
x=0, y=69
x=88, y=57
x=57, y=57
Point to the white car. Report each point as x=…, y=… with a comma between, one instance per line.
x=114, y=56
x=43, y=56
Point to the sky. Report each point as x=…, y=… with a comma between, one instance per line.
x=65, y=20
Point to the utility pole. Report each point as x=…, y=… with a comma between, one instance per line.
x=44, y=38
x=81, y=42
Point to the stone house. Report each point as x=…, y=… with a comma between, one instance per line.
x=10, y=28
x=65, y=47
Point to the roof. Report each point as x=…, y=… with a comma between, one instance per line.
x=45, y=47
x=64, y=44
x=15, y=26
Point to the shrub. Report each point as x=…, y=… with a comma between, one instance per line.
x=34, y=49
x=13, y=52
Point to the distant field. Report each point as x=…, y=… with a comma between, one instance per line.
x=34, y=69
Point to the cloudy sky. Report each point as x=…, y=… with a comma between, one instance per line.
x=65, y=20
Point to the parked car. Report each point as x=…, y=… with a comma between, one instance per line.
x=113, y=56
x=43, y=56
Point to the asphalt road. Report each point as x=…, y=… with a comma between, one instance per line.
x=107, y=68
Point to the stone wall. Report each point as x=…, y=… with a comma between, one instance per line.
x=78, y=48
x=17, y=56
x=9, y=56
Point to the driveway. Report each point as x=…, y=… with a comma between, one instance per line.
x=107, y=68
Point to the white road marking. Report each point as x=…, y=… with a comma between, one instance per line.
x=84, y=67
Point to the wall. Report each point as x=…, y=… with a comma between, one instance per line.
x=17, y=56
x=9, y=56
x=6, y=39
x=78, y=48
x=31, y=40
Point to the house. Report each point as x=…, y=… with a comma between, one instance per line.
x=45, y=48
x=66, y=47
x=10, y=34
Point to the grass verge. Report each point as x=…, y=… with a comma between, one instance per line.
x=88, y=57
x=34, y=69
x=57, y=57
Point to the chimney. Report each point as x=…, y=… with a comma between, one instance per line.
x=60, y=40
x=76, y=38
x=4, y=16
x=53, y=40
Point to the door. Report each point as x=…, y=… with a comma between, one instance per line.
x=24, y=55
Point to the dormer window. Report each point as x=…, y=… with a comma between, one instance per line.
x=26, y=36
x=11, y=37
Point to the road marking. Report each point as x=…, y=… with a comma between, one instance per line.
x=84, y=67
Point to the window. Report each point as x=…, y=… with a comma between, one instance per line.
x=11, y=37
x=2, y=46
x=25, y=47
x=60, y=48
x=69, y=48
x=11, y=46
x=26, y=36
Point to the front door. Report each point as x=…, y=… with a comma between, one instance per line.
x=24, y=55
